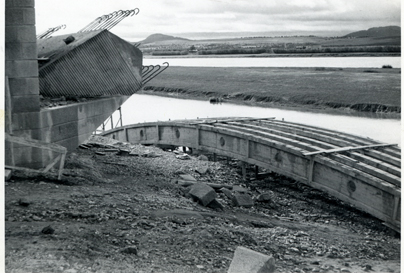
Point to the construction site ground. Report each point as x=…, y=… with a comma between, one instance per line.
x=118, y=212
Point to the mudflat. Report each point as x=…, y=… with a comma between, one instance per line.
x=375, y=90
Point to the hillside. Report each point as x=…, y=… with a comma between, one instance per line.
x=158, y=37
x=377, y=32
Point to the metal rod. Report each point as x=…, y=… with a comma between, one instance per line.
x=153, y=75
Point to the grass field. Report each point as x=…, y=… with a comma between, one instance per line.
x=368, y=90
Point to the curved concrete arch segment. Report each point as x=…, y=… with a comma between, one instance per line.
x=356, y=170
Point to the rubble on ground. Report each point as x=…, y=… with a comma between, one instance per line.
x=123, y=212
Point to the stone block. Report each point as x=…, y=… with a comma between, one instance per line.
x=20, y=51
x=227, y=192
x=21, y=68
x=247, y=260
x=20, y=3
x=63, y=131
x=22, y=104
x=7, y=174
x=20, y=16
x=202, y=169
x=203, y=193
x=214, y=204
x=264, y=197
x=239, y=189
x=24, y=86
x=22, y=34
x=26, y=121
x=242, y=200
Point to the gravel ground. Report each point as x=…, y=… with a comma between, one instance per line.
x=120, y=212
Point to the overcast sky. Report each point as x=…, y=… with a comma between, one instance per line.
x=177, y=17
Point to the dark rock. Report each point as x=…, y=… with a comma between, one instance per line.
x=227, y=192
x=239, y=189
x=123, y=152
x=203, y=158
x=214, y=204
x=48, y=230
x=24, y=202
x=264, y=198
x=202, y=169
x=242, y=200
x=203, y=193
x=130, y=250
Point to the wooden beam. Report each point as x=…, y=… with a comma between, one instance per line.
x=346, y=149
x=35, y=143
x=50, y=165
x=230, y=120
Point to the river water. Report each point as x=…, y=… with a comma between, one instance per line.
x=340, y=62
x=148, y=108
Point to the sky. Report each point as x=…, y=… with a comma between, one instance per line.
x=193, y=19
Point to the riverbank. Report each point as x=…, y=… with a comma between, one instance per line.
x=114, y=212
x=349, y=91
x=269, y=55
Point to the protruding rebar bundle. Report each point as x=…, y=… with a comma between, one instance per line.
x=108, y=21
x=49, y=32
x=151, y=71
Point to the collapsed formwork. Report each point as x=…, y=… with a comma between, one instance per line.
x=88, y=64
x=92, y=63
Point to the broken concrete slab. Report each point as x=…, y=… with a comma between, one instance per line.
x=7, y=174
x=203, y=193
x=215, y=205
x=239, y=189
x=227, y=192
x=242, y=200
x=247, y=260
x=202, y=169
x=187, y=177
x=177, y=213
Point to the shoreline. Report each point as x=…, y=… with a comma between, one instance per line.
x=293, y=107
x=268, y=55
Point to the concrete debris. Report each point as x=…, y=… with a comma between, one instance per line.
x=264, y=198
x=48, y=230
x=7, y=174
x=203, y=158
x=203, y=193
x=130, y=250
x=239, y=189
x=202, y=170
x=183, y=157
x=187, y=177
x=24, y=202
x=227, y=192
x=216, y=205
x=242, y=200
x=247, y=260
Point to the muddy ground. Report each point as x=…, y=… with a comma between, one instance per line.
x=114, y=212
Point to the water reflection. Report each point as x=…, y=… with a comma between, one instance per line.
x=147, y=108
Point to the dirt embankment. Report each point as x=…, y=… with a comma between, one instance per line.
x=120, y=212
x=269, y=101
x=347, y=90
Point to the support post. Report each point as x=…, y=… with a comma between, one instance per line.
x=244, y=170
x=120, y=116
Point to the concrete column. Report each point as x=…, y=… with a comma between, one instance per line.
x=21, y=69
x=21, y=66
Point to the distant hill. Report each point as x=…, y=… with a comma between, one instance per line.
x=158, y=37
x=377, y=32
